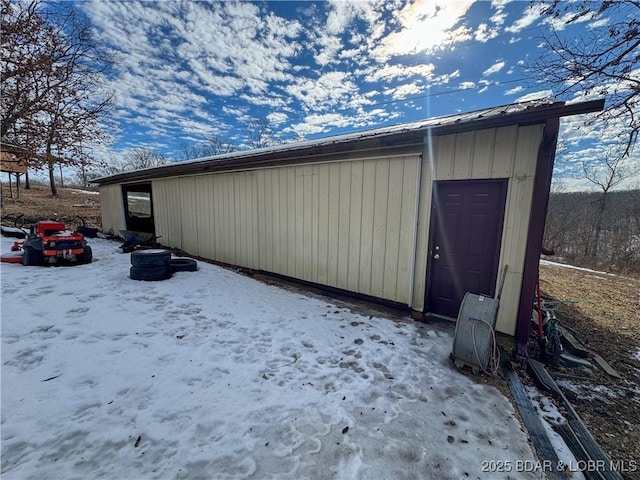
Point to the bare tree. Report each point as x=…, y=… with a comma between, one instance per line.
x=261, y=134
x=51, y=76
x=212, y=146
x=602, y=61
x=143, y=157
x=605, y=177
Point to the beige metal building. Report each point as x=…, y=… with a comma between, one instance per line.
x=415, y=214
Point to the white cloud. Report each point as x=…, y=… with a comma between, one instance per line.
x=404, y=91
x=318, y=123
x=327, y=91
x=499, y=16
x=236, y=112
x=425, y=26
x=341, y=14
x=535, y=96
x=495, y=68
x=172, y=57
x=531, y=15
x=603, y=22
x=514, y=90
x=485, y=33
x=394, y=72
x=445, y=79
x=559, y=23
x=277, y=118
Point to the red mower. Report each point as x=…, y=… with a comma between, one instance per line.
x=49, y=243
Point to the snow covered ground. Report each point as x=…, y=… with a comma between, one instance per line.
x=215, y=375
x=573, y=267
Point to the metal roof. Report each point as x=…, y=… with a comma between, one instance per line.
x=536, y=111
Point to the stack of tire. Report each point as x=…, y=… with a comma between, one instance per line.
x=150, y=265
x=156, y=264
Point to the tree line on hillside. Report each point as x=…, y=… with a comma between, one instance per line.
x=583, y=232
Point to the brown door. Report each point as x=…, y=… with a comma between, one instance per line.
x=466, y=231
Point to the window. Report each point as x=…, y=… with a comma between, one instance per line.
x=139, y=204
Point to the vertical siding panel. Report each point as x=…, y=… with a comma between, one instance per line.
x=307, y=215
x=299, y=222
x=334, y=227
x=250, y=230
x=168, y=237
x=315, y=215
x=407, y=229
x=525, y=158
x=219, y=227
x=283, y=239
x=211, y=207
x=227, y=211
x=219, y=216
x=291, y=222
x=262, y=210
x=394, y=212
x=244, y=199
x=505, y=145
x=344, y=224
x=273, y=250
x=222, y=214
x=157, y=197
x=483, y=153
x=323, y=224
x=176, y=186
x=226, y=181
x=239, y=238
x=250, y=222
x=444, y=155
x=366, y=259
x=173, y=218
x=355, y=220
x=160, y=210
x=463, y=158
x=275, y=232
x=183, y=194
x=189, y=213
x=112, y=209
x=380, y=227
x=253, y=209
x=201, y=214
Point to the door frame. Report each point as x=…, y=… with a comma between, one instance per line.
x=132, y=222
x=504, y=182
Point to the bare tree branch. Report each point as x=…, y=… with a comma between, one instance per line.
x=604, y=60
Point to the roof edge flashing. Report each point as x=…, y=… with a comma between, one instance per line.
x=511, y=114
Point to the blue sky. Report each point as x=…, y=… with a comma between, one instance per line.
x=188, y=70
